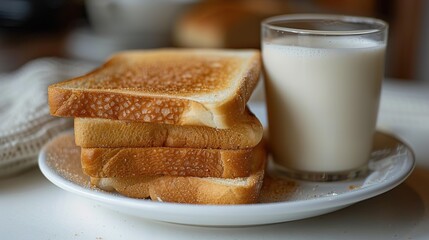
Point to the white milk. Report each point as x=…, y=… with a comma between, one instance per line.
x=323, y=101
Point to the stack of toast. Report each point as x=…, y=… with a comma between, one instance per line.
x=171, y=125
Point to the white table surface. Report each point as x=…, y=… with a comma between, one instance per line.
x=33, y=208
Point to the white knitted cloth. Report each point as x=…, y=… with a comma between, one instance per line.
x=25, y=123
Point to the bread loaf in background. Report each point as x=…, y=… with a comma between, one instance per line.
x=226, y=24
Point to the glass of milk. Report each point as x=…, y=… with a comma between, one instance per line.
x=323, y=76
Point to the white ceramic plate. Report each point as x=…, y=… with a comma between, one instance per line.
x=309, y=199
x=392, y=162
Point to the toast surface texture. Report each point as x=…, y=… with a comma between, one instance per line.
x=129, y=162
x=99, y=133
x=65, y=158
x=171, y=86
x=193, y=190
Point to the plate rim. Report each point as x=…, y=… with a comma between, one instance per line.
x=192, y=210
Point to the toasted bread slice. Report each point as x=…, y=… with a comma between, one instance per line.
x=128, y=162
x=171, y=86
x=98, y=133
x=194, y=190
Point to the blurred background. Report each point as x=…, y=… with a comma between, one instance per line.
x=91, y=30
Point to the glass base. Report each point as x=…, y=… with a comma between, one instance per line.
x=322, y=176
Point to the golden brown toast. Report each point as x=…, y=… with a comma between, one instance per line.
x=193, y=190
x=170, y=86
x=129, y=162
x=98, y=133
x=65, y=158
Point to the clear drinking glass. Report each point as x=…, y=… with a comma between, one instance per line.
x=323, y=76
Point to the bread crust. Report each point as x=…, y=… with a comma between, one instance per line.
x=75, y=98
x=129, y=162
x=192, y=190
x=99, y=133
